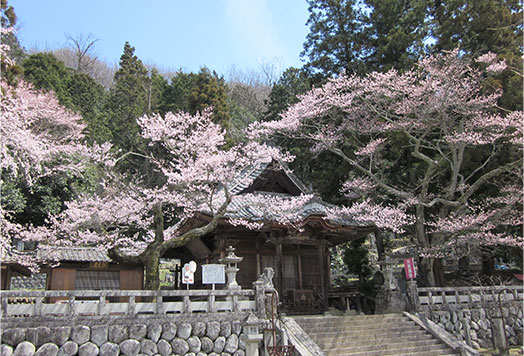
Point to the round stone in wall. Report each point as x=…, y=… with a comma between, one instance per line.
x=199, y=329
x=168, y=331
x=109, y=349
x=236, y=327
x=180, y=346
x=13, y=337
x=137, y=331
x=194, y=344
x=213, y=330
x=117, y=333
x=130, y=347
x=164, y=348
x=6, y=350
x=24, y=348
x=206, y=344
x=220, y=343
x=148, y=347
x=225, y=328
x=69, y=348
x=48, y=349
x=88, y=349
x=80, y=334
x=231, y=344
x=99, y=334
x=154, y=331
x=184, y=331
x=60, y=335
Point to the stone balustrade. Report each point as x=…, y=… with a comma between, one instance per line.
x=436, y=297
x=20, y=304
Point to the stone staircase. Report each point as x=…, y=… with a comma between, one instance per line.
x=371, y=335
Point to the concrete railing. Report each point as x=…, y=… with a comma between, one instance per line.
x=467, y=295
x=20, y=304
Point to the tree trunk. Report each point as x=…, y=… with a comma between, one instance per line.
x=152, y=254
x=438, y=272
x=425, y=269
x=152, y=271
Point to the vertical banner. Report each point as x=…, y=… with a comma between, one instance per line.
x=409, y=268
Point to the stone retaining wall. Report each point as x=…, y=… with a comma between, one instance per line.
x=165, y=338
x=479, y=323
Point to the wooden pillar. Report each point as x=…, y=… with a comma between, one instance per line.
x=380, y=245
x=299, y=267
x=259, y=260
x=323, y=275
x=280, y=267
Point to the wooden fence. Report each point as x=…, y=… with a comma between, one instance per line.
x=467, y=295
x=20, y=304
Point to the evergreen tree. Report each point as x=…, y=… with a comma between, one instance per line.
x=88, y=97
x=175, y=97
x=334, y=42
x=46, y=72
x=10, y=72
x=128, y=100
x=394, y=33
x=285, y=91
x=209, y=90
x=481, y=26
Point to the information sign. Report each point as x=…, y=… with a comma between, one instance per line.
x=213, y=274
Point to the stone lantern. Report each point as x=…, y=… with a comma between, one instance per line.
x=231, y=261
x=252, y=335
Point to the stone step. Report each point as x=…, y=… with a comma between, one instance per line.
x=374, y=339
x=360, y=332
x=329, y=320
x=430, y=350
x=350, y=327
x=371, y=335
x=383, y=345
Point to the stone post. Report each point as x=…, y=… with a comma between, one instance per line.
x=499, y=336
x=252, y=335
x=260, y=296
x=412, y=292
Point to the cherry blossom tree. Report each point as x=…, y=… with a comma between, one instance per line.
x=38, y=138
x=137, y=222
x=430, y=153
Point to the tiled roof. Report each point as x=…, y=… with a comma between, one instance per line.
x=240, y=208
x=81, y=254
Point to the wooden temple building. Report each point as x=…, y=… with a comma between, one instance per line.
x=298, y=254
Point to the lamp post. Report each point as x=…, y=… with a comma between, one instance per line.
x=231, y=261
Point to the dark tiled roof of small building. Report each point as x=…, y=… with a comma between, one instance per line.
x=80, y=254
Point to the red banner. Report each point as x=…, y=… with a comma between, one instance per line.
x=409, y=268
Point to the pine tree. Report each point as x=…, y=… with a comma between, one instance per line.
x=209, y=90
x=333, y=44
x=128, y=100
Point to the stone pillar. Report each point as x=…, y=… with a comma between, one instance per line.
x=252, y=335
x=499, y=336
x=389, y=298
x=412, y=292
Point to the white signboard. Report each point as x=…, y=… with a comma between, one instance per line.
x=213, y=274
x=188, y=273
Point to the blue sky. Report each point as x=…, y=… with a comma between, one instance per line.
x=173, y=34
